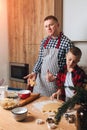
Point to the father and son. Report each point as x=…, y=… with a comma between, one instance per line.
x=57, y=67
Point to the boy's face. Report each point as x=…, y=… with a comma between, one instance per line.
x=71, y=60
x=51, y=27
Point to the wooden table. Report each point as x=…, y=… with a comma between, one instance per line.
x=7, y=122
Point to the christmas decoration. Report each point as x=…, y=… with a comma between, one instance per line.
x=80, y=98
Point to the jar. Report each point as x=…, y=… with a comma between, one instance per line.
x=82, y=118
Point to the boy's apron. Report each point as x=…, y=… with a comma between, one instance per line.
x=50, y=61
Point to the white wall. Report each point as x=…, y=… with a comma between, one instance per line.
x=75, y=19
x=3, y=41
x=83, y=47
x=75, y=24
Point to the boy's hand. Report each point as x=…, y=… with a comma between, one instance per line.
x=56, y=95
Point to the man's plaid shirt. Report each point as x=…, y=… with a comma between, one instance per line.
x=65, y=45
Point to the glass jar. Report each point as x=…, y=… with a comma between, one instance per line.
x=82, y=118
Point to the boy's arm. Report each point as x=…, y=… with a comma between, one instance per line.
x=56, y=94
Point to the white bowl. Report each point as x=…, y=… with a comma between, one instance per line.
x=19, y=113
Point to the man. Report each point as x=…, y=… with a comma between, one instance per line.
x=51, y=57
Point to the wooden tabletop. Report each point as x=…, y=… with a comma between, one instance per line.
x=7, y=122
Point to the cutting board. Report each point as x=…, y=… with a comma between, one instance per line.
x=32, y=97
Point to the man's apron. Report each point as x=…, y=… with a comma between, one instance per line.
x=50, y=61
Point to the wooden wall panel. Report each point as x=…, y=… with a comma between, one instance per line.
x=15, y=84
x=26, y=30
x=58, y=12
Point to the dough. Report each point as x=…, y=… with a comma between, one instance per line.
x=32, y=82
x=51, y=107
x=8, y=103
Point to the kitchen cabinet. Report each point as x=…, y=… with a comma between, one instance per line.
x=25, y=27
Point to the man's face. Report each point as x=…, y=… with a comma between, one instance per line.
x=51, y=27
x=71, y=60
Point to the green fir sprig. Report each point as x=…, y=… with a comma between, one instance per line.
x=80, y=97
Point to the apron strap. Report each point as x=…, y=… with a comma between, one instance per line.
x=46, y=42
x=58, y=44
x=59, y=40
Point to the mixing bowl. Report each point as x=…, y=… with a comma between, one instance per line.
x=24, y=94
x=19, y=113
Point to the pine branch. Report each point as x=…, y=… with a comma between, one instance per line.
x=79, y=98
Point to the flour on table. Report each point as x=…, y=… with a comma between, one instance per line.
x=48, y=105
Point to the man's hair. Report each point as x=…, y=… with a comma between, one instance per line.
x=51, y=17
x=76, y=51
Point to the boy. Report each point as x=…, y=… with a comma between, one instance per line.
x=70, y=75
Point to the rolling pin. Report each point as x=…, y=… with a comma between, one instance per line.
x=31, y=98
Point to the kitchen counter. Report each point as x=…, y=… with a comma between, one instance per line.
x=7, y=122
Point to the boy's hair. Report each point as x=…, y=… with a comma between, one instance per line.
x=51, y=17
x=76, y=51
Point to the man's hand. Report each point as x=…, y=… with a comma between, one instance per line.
x=50, y=77
x=31, y=78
